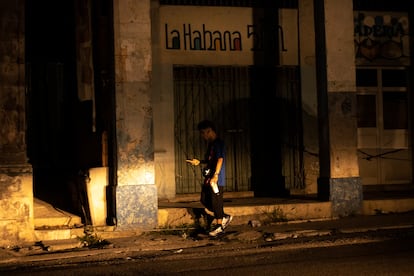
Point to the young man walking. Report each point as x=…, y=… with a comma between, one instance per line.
x=214, y=173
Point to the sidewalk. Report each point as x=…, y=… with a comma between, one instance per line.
x=255, y=220
x=180, y=239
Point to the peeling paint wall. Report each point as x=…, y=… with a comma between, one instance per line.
x=133, y=92
x=136, y=193
x=341, y=88
x=16, y=189
x=16, y=206
x=12, y=97
x=345, y=183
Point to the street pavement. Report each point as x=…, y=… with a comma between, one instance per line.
x=180, y=239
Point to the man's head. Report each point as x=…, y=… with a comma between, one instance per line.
x=206, y=124
x=207, y=130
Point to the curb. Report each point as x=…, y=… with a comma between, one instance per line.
x=149, y=240
x=47, y=251
x=315, y=232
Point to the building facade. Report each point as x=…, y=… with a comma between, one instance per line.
x=100, y=102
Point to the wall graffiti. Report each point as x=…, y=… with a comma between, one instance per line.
x=380, y=37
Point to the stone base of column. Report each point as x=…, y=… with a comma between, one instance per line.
x=137, y=206
x=345, y=194
x=16, y=204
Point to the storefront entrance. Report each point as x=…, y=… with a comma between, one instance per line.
x=384, y=140
x=224, y=95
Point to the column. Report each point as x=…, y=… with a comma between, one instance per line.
x=136, y=193
x=16, y=187
x=339, y=179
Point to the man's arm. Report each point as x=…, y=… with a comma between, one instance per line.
x=194, y=162
x=218, y=169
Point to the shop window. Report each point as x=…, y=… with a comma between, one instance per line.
x=394, y=78
x=366, y=77
x=395, y=110
x=366, y=109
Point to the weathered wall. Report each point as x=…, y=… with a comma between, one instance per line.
x=341, y=88
x=136, y=195
x=16, y=205
x=16, y=189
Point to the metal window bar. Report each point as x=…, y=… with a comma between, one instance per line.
x=222, y=94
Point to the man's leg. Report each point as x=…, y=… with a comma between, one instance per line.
x=217, y=204
x=205, y=197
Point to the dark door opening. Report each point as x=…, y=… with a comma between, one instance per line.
x=52, y=101
x=67, y=135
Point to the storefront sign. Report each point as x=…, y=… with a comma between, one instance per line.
x=213, y=35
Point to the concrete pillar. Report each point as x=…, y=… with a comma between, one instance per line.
x=136, y=193
x=16, y=186
x=339, y=179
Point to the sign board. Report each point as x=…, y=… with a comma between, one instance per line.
x=223, y=35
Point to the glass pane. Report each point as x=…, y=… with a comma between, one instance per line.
x=366, y=111
x=366, y=77
x=394, y=78
x=395, y=110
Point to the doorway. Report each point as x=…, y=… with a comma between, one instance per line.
x=69, y=130
x=384, y=142
x=223, y=94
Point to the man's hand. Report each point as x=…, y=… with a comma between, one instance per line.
x=194, y=162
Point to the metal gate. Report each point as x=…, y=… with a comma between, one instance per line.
x=222, y=94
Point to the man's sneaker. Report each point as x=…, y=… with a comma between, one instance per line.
x=216, y=231
x=226, y=221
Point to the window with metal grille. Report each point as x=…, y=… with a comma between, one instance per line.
x=223, y=94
